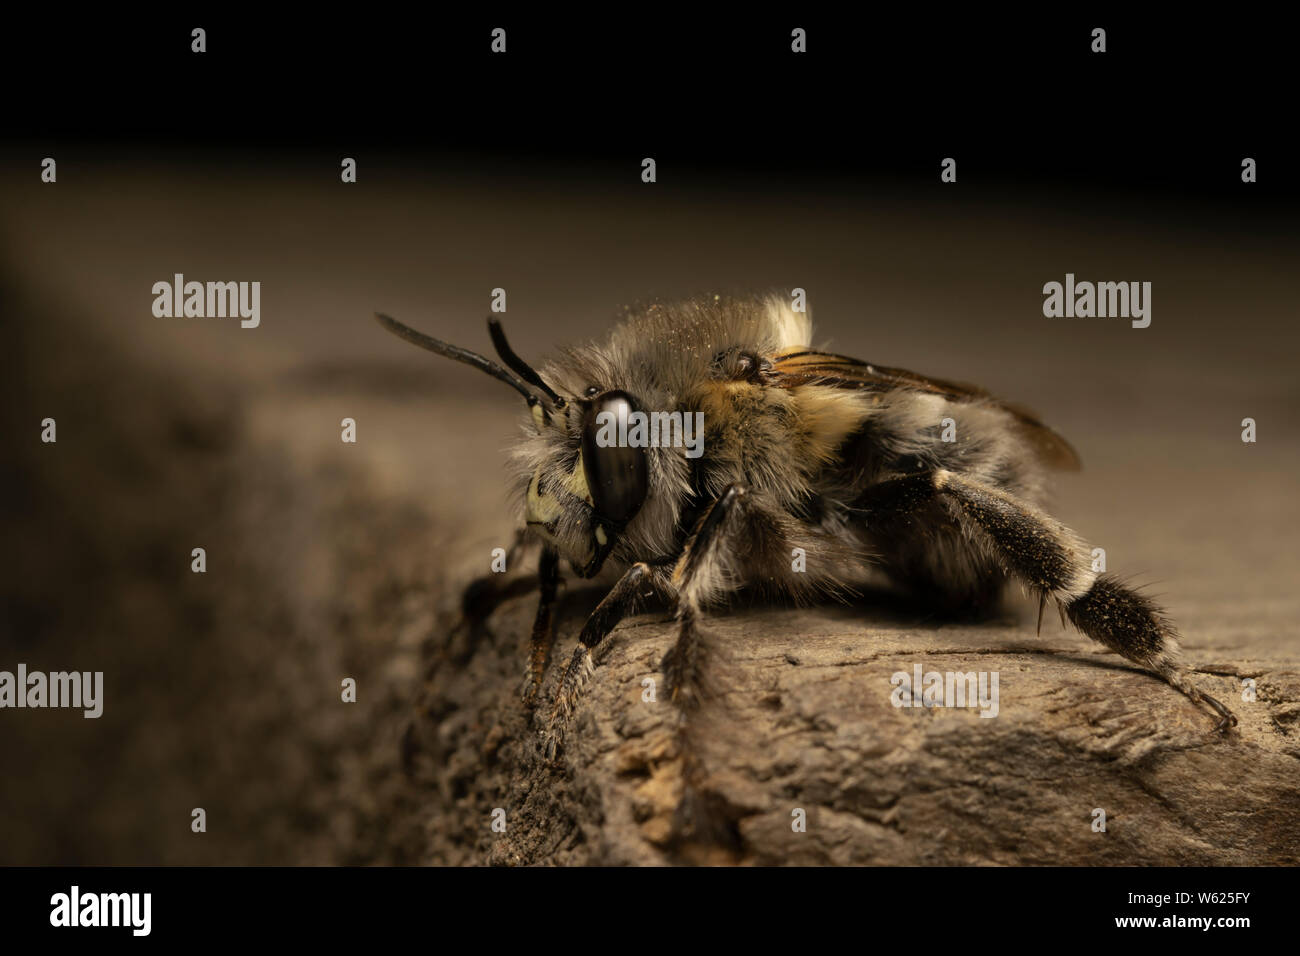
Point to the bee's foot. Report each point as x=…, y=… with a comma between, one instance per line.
x=529, y=688
x=684, y=678
x=1227, y=720
x=552, y=742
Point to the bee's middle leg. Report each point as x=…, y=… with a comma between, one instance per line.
x=484, y=595
x=741, y=539
x=735, y=525
x=697, y=577
x=480, y=599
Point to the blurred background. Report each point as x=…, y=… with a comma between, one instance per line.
x=328, y=560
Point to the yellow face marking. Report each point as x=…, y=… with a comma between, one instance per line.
x=577, y=482
x=600, y=536
x=545, y=509
x=542, y=509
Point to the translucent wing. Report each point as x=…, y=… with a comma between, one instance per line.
x=806, y=366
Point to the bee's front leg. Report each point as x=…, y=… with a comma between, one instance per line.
x=697, y=576
x=617, y=604
x=539, y=647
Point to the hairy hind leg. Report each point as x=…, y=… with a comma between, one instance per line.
x=1050, y=559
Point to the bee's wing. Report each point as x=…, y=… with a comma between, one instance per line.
x=802, y=366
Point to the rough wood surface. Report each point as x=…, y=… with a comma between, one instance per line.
x=803, y=720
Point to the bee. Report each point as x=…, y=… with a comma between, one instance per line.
x=860, y=468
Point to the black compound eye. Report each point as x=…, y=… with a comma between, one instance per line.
x=617, y=473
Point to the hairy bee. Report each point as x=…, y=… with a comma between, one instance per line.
x=802, y=449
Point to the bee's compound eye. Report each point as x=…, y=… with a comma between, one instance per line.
x=616, y=470
x=592, y=391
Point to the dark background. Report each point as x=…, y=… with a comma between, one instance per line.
x=1020, y=97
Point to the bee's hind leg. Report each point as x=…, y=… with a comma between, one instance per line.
x=1051, y=560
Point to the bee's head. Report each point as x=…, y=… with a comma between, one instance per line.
x=584, y=487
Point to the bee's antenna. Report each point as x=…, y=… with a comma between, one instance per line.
x=524, y=370
x=453, y=352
